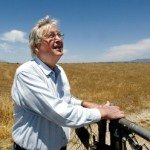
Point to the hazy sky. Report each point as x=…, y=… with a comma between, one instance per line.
x=95, y=30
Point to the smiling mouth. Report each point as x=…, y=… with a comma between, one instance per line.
x=58, y=48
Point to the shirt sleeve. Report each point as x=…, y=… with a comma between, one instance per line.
x=35, y=96
x=75, y=101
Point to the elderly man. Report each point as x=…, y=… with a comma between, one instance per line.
x=44, y=108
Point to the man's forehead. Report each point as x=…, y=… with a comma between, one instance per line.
x=50, y=29
x=53, y=29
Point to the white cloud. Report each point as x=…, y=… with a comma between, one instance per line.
x=14, y=36
x=68, y=57
x=65, y=51
x=140, y=49
x=5, y=47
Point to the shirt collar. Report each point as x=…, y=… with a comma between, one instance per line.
x=47, y=71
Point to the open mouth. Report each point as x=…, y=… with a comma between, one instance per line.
x=58, y=48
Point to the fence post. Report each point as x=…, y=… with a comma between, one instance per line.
x=102, y=135
x=116, y=136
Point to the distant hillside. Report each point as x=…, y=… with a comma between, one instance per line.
x=2, y=61
x=141, y=60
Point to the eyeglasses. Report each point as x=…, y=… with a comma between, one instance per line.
x=53, y=35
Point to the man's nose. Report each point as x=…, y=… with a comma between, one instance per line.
x=57, y=37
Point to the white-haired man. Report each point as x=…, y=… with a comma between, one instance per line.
x=44, y=108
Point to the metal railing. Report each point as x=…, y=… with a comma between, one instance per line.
x=122, y=135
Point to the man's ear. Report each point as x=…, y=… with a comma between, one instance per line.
x=36, y=51
x=36, y=48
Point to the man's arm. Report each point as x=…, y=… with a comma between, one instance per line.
x=87, y=104
x=32, y=94
x=107, y=111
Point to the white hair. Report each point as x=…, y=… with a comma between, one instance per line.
x=39, y=30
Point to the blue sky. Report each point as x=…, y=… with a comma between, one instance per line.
x=95, y=30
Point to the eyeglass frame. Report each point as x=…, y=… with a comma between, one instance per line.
x=53, y=35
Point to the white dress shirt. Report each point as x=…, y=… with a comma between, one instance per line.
x=44, y=109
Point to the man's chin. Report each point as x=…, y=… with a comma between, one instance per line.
x=58, y=55
x=59, y=52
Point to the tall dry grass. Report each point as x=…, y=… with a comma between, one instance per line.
x=125, y=84
x=6, y=117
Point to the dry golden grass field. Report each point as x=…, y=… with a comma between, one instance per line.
x=124, y=84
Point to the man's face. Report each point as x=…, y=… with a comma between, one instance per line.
x=51, y=46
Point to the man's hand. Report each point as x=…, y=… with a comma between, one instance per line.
x=111, y=112
x=107, y=110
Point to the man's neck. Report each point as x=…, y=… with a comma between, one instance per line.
x=51, y=63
